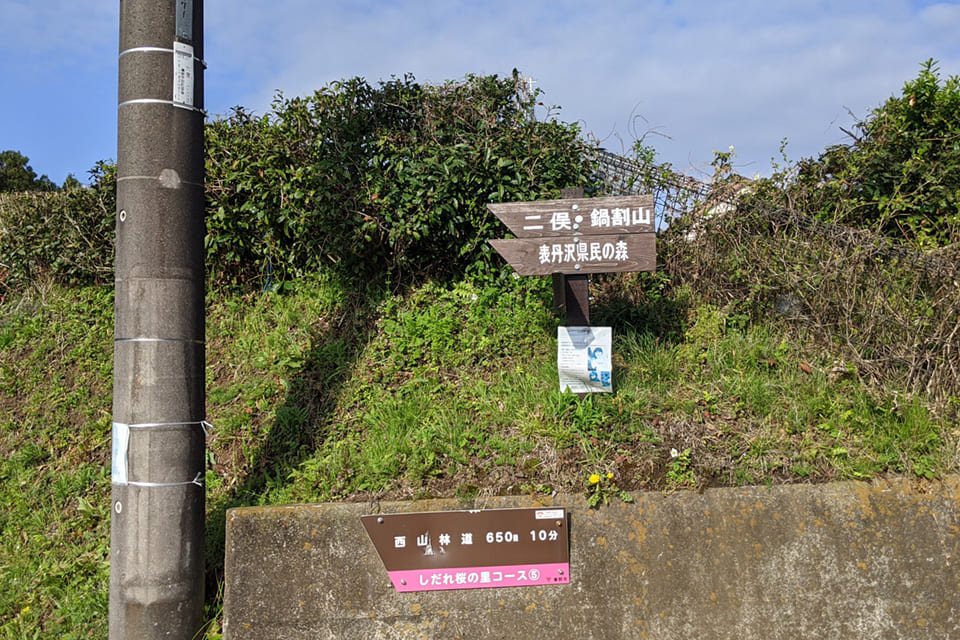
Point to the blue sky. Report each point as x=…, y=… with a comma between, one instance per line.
x=691, y=76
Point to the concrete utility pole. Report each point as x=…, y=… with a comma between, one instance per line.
x=157, y=525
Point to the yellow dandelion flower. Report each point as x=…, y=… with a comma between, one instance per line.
x=595, y=478
x=609, y=476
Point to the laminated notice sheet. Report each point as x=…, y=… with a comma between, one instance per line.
x=584, y=359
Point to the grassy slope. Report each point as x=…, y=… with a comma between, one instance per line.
x=55, y=393
x=320, y=394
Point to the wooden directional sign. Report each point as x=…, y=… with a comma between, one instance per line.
x=577, y=216
x=578, y=235
x=587, y=254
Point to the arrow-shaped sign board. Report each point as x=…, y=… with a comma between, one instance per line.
x=580, y=254
x=577, y=216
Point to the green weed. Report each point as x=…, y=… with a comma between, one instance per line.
x=54, y=478
x=447, y=390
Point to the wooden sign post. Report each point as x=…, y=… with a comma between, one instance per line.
x=571, y=294
x=569, y=239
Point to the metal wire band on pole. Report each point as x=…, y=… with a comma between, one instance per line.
x=158, y=485
x=157, y=50
x=159, y=101
x=124, y=178
x=203, y=424
x=146, y=50
x=181, y=340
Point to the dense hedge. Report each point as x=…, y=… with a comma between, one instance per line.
x=900, y=174
x=64, y=236
x=377, y=181
x=391, y=179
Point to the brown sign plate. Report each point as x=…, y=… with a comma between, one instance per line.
x=472, y=549
x=586, y=254
x=577, y=216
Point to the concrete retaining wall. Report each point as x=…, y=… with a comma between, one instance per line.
x=845, y=560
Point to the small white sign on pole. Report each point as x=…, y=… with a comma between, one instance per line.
x=584, y=359
x=183, y=75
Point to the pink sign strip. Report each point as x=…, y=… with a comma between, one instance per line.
x=480, y=577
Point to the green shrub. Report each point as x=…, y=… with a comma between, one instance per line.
x=65, y=236
x=390, y=179
x=901, y=174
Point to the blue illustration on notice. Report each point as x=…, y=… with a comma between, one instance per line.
x=598, y=366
